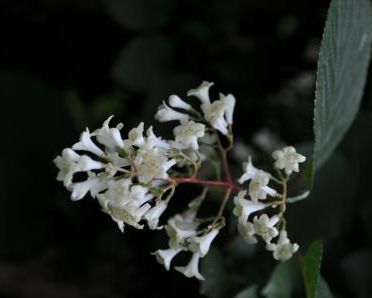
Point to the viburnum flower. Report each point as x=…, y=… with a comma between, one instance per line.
x=86, y=144
x=283, y=250
x=188, y=133
x=244, y=208
x=179, y=228
x=135, y=135
x=93, y=185
x=109, y=137
x=166, y=113
x=125, y=202
x=288, y=159
x=249, y=171
x=152, y=216
x=152, y=163
x=246, y=229
x=70, y=163
x=176, y=102
x=214, y=113
x=201, y=244
x=165, y=256
x=202, y=92
x=265, y=227
x=192, y=268
x=258, y=187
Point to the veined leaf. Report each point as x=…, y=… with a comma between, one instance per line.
x=311, y=268
x=342, y=68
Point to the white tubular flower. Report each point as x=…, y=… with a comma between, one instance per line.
x=202, y=244
x=86, y=144
x=244, y=208
x=110, y=137
x=153, y=141
x=166, y=113
x=165, y=256
x=214, y=114
x=126, y=203
x=152, y=164
x=283, y=250
x=67, y=165
x=202, y=92
x=176, y=102
x=246, y=229
x=152, y=216
x=187, y=134
x=80, y=189
x=288, y=159
x=249, y=171
x=70, y=162
x=230, y=106
x=135, y=135
x=258, y=189
x=179, y=228
x=265, y=227
x=191, y=269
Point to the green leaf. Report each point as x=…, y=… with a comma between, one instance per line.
x=323, y=289
x=342, y=69
x=250, y=292
x=143, y=61
x=140, y=14
x=283, y=280
x=311, y=268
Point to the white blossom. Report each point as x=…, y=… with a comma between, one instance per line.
x=201, y=244
x=166, y=113
x=135, y=135
x=283, y=250
x=214, y=114
x=125, y=202
x=187, y=134
x=180, y=227
x=152, y=164
x=165, y=256
x=110, y=137
x=93, y=184
x=152, y=140
x=152, y=216
x=265, y=227
x=288, y=159
x=86, y=144
x=70, y=162
x=246, y=229
x=191, y=269
x=201, y=92
x=177, y=102
x=244, y=208
x=230, y=106
x=249, y=171
x=258, y=187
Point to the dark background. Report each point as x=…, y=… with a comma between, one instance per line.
x=67, y=64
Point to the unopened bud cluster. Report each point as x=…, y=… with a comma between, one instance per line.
x=134, y=178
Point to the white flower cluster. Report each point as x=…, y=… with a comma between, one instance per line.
x=264, y=226
x=134, y=178
x=110, y=164
x=218, y=114
x=183, y=233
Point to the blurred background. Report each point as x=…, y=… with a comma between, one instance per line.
x=68, y=64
